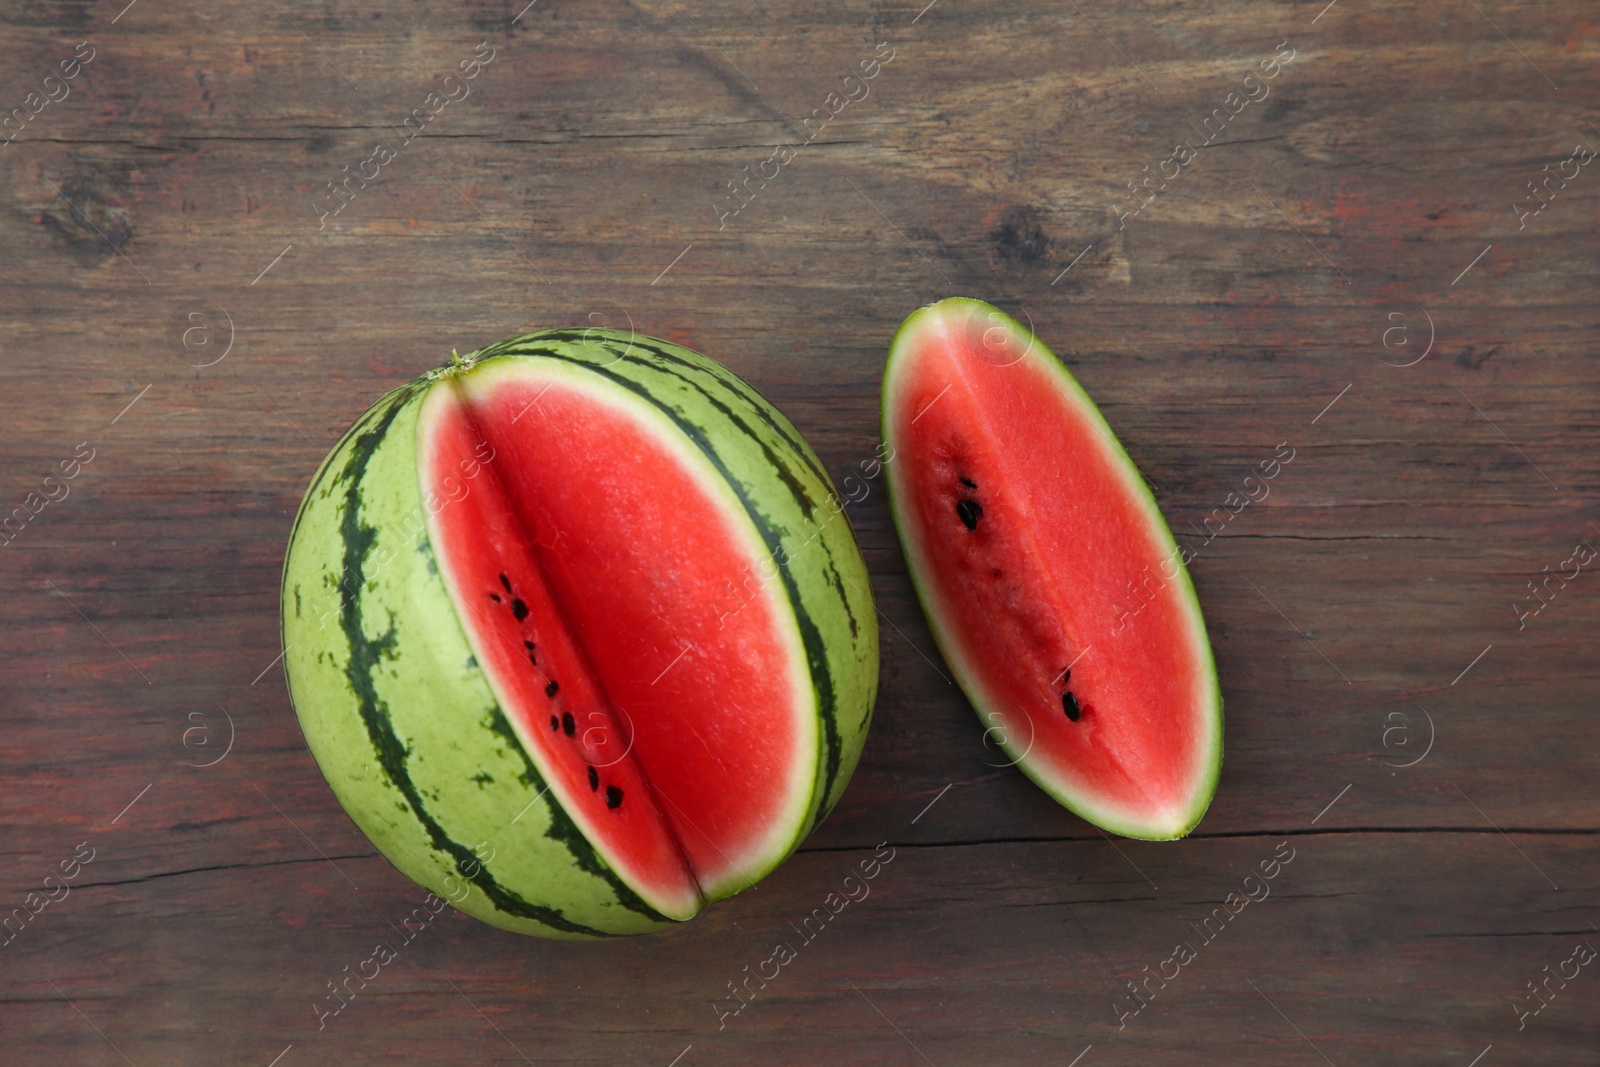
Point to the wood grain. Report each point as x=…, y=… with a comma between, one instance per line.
x=172, y=193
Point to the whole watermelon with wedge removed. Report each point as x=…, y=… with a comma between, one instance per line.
x=1050, y=580
x=578, y=633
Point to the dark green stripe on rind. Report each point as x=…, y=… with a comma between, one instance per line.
x=330, y=460
x=563, y=829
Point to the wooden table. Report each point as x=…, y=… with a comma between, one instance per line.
x=1343, y=269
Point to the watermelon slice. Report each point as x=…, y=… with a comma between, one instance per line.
x=578, y=632
x=588, y=576
x=1050, y=580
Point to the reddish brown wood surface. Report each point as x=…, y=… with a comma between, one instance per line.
x=1272, y=292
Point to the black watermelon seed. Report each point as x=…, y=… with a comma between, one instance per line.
x=969, y=511
x=527, y=645
x=550, y=690
x=505, y=582
x=613, y=797
x=968, y=482
x=1069, y=704
x=518, y=608
x=594, y=779
x=569, y=725
x=495, y=597
x=1066, y=676
x=555, y=723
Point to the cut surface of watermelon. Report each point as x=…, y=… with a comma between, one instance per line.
x=1050, y=580
x=588, y=549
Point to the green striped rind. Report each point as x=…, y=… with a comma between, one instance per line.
x=791, y=501
x=400, y=718
x=955, y=656
x=404, y=724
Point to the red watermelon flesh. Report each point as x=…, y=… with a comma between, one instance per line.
x=590, y=562
x=1050, y=580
